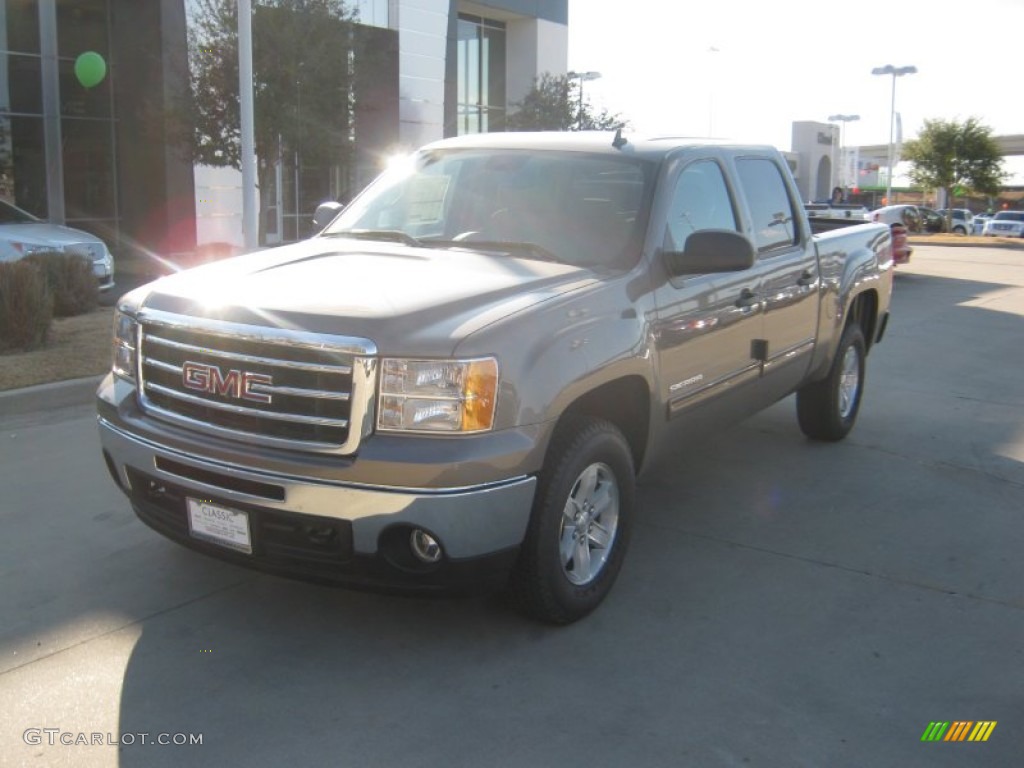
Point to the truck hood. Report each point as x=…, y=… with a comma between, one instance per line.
x=406, y=300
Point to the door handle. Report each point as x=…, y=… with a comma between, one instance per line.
x=807, y=278
x=747, y=298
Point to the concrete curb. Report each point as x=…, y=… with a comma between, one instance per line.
x=45, y=397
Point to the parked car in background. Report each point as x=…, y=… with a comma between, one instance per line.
x=962, y=220
x=22, y=234
x=978, y=223
x=931, y=220
x=1005, y=224
x=907, y=215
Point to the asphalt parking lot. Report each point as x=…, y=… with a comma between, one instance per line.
x=784, y=603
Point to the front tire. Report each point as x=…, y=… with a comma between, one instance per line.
x=580, y=526
x=827, y=409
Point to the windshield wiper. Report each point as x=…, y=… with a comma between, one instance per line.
x=387, y=235
x=519, y=248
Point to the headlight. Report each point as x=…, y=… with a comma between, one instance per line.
x=125, y=336
x=437, y=395
x=27, y=249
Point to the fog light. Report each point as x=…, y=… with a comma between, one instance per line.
x=425, y=546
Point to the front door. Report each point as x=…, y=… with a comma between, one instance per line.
x=706, y=323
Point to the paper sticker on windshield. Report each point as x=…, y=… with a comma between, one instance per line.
x=426, y=199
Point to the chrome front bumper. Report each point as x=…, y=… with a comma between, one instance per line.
x=469, y=522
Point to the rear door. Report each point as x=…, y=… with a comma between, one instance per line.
x=788, y=267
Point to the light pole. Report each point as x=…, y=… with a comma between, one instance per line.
x=582, y=76
x=889, y=69
x=250, y=224
x=842, y=120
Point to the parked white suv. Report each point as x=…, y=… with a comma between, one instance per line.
x=1005, y=224
x=962, y=220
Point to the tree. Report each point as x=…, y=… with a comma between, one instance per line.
x=305, y=53
x=553, y=104
x=948, y=155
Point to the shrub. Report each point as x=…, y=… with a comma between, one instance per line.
x=71, y=282
x=26, y=306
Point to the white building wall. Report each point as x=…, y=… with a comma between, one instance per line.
x=219, y=208
x=533, y=47
x=422, y=40
x=814, y=143
x=552, y=47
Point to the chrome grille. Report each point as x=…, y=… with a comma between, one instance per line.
x=275, y=386
x=91, y=251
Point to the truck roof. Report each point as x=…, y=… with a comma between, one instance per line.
x=654, y=147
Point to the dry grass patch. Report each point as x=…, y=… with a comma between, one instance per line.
x=79, y=346
x=978, y=240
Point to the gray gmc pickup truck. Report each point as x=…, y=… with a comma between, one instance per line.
x=455, y=384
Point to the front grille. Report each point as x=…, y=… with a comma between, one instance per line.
x=91, y=251
x=280, y=387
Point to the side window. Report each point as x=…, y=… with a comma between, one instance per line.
x=775, y=224
x=700, y=201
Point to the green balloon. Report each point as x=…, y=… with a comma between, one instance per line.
x=90, y=69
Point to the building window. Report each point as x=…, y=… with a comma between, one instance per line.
x=19, y=26
x=23, y=163
x=481, y=84
x=21, y=84
x=82, y=26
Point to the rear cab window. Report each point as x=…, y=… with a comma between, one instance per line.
x=775, y=225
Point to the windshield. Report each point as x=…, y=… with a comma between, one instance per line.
x=1010, y=216
x=573, y=207
x=9, y=214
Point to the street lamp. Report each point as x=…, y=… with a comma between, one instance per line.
x=843, y=120
x=582, y=76
x=889, y=69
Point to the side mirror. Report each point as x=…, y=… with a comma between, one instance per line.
x=711, y=250
x=325, y=213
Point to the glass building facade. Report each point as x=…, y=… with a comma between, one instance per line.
x=481, y=74
x=67, y=150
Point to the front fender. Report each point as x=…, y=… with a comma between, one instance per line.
x=555, y=353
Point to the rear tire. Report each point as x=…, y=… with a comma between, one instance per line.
x=827, y=409
x=580, y=526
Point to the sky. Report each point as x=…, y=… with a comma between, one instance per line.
x=777, y=61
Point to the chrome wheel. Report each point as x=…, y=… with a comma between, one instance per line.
x=590, y=520
x=580, y=524
x=849, y=382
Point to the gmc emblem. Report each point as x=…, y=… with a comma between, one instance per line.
x=237, y=384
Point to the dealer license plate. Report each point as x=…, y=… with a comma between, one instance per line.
x=220, y=525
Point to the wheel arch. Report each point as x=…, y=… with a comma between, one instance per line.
x=624, y=402
x=864, y=311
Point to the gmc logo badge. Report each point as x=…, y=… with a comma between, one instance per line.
x=237, y=384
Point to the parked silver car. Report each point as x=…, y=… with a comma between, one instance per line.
x=22, y=234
